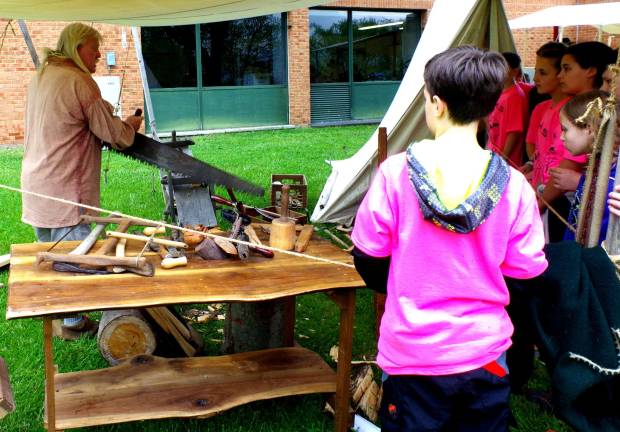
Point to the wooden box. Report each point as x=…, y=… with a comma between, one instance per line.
x=298, y=190
x=299, y=218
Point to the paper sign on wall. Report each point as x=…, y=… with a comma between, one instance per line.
x=110, y=86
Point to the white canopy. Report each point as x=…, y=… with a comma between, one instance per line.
x=451, y=23
x=605, y=16
x=144, y=13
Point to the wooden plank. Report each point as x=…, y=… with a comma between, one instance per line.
x=41, y=291
x=149, y=387
x=50, y=376
x=7, y=401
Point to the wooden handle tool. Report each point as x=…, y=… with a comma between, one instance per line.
x=282, y=235
x=149, y=231
x=168, y=261
x=119, y=235
x=304, y=238
x=94, y=260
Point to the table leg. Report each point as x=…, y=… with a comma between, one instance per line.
x=346, y=302
x=49, y=374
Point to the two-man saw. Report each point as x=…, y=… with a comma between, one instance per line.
x=167, y=157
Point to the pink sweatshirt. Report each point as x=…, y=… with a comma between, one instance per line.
x=445, y=309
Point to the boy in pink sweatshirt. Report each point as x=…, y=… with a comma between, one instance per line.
x=440, y=227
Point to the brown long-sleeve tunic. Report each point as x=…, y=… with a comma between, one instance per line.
x=66, y=120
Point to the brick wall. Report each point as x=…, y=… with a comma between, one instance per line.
x=16, y=70
x=299, y=67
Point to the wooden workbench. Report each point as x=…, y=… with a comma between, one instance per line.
x=149, y=387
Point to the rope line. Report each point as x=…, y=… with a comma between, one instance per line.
x=171, y=226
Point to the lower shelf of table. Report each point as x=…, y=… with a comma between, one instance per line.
x=149, y=387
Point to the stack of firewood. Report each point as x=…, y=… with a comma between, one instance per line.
x=365, y=392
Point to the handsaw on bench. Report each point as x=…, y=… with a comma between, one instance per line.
x=164, y=156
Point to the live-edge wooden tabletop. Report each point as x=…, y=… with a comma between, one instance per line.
x=39, y=291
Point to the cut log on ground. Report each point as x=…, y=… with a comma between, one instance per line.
x=124, y=334
x=7, y=402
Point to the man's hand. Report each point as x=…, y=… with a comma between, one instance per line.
x=614, y=201
x=564, y=179
x=134, y=121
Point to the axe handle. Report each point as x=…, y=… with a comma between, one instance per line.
x=93, y=260
x=89, y=241
x=110, y=243
x=117, y=235
x=113, y=220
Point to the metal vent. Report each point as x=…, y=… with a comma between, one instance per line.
x=330, y=102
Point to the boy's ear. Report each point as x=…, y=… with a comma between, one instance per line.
x=439, y=106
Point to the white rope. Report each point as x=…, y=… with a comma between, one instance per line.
x=167, y=225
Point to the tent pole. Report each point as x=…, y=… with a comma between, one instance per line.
x=33, y=52
x=137, y=43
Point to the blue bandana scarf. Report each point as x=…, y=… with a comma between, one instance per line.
x=471, y=213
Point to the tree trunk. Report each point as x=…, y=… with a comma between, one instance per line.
x=255, y=326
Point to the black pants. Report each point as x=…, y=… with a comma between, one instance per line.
x=557, y=228
x=475, y=401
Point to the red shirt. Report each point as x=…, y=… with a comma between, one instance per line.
x=545, y=133
x=508, y=116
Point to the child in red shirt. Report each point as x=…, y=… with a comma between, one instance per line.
x=506, y=124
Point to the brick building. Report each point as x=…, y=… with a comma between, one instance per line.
x=338, y=63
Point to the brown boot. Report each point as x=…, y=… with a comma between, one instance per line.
x=87, y=328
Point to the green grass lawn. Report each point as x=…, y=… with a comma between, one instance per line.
x=133, y=188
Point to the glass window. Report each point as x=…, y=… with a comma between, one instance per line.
x=244, y=52
x=329, y=51
x=170, y=56
x=383, y=44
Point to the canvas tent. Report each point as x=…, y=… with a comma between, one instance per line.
x=481, y=23
x=144, y=13
x=604, y=16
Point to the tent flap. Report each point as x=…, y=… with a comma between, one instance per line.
x=145, y=13
x=482, y=23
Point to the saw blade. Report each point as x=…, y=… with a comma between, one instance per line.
x=166, y=157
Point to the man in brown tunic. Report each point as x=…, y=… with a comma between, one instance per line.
x=66, y=122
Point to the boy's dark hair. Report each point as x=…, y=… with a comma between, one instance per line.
x=592, y=54
x=513, y=59
x=553, y=51
x=468, y=80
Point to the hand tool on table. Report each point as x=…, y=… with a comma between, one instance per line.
x=90, y=264
x=282, y=235
x=241, y=224
x=93, y=260
x=157, y=240
x=171, y=258
x=304, y=238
